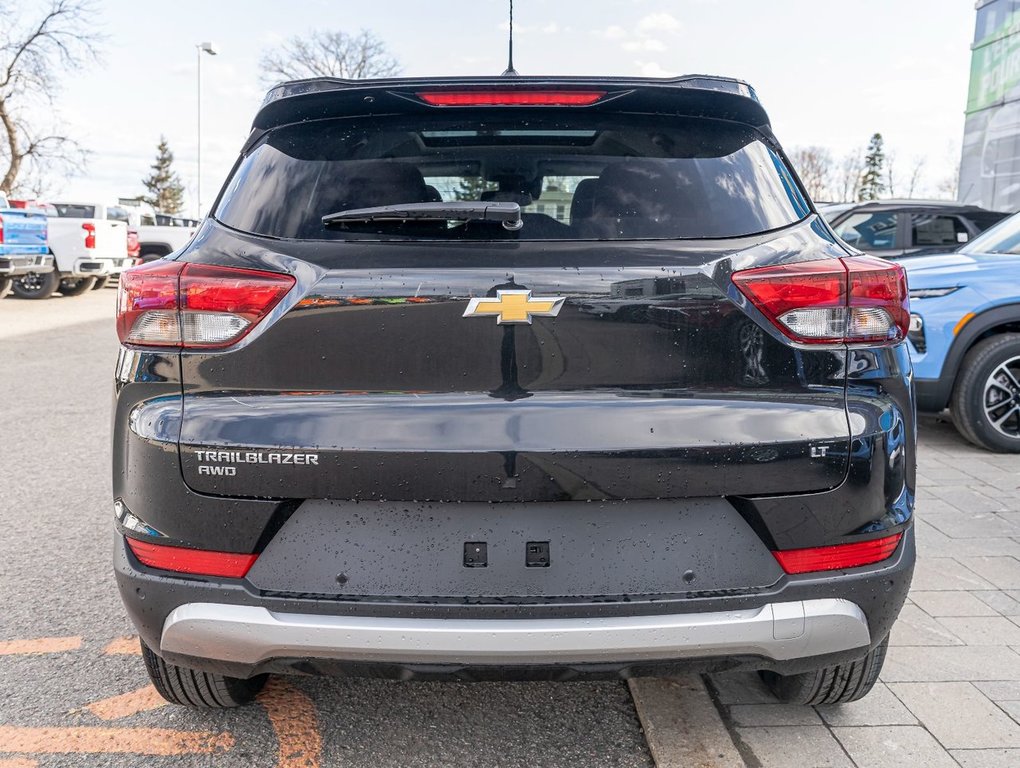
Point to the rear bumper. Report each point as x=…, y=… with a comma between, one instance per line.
x=14, y=266
x=100, y=267
x=252, y=636
x=800, y=623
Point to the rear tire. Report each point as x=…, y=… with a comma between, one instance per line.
x=101, y=283
x=196, y=689
x=36, y=286
x=76, y=286
x=987, y=388
x=838, y=684
x=5, y=286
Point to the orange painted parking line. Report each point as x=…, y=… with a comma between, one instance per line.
x=39, y=645
x=139, y=741
x=293, y=717
x=125, y=645
x=127, y=704
x=18, y=762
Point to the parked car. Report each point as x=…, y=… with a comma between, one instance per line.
x=23, y=246
x=965, y=335
x=364, y=427
x=89, y=245
x=158, y=234
x=894, y=228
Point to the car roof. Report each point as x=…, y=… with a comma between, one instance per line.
x=899, y=203
x=698, y=95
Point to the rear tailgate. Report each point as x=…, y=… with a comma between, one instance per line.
x=374, y=385
x=22, y=233
x=111, y=239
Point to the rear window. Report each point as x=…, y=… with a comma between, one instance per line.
x=579, y=177
x=72, y=211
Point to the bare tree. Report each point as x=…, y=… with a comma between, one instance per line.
x=329, y=54
x=851, y=171
x=35, y=47
x=815, y=167
x=916, y=173
x=890, y=175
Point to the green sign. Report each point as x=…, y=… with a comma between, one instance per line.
x=995, y=66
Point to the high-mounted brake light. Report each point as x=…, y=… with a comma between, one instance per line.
x=90, y=235
x=837, y=557
x=510, y=98
x=172, y=304
x=201, y=562
x=854, y=300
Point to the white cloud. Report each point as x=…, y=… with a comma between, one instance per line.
x=658, y=23
x=615, y=32
x=653, y=69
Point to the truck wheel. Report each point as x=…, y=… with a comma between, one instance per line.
x=36, y=286
x=838, y=684
x=5, y=286
x=199, y=690
x=986, y=398
x=76, y=286
x=101, y=283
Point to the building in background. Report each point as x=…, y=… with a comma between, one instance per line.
x=990, y=163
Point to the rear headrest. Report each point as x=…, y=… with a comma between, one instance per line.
x=367, y=183
x=582, y=204
x=644, y=198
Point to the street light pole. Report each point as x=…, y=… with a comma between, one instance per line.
x=211, y=50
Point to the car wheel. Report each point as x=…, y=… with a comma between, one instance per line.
x=200, y=690
x=36, y=286
x=838, y=684
x=101, y=283
x=76, y=286
x=986, y=398
x=5, y=286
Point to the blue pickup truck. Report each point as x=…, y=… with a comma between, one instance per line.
x=965, y=335
x=23, y=246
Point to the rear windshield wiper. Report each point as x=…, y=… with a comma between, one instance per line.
x=507, y=213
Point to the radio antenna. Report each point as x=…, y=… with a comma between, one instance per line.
x=510, y=71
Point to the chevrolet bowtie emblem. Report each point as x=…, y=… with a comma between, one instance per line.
x=515, y=307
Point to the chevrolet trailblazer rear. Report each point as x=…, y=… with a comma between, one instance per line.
x=529, y=377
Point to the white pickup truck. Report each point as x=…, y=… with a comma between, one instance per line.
x=89, y=244
x=159, y=234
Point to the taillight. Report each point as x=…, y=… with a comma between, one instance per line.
x=1, y=229
x=172, y=304
x=838, y=556
x=855, y=300
x=90, y=235
x=196, y=561
x=510, y=98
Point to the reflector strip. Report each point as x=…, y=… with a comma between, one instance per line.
x=838, y=556
x=202, y=562
x=510, y=98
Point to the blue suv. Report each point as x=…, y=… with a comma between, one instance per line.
x=965, y=335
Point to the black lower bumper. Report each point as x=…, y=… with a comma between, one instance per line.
x=878, y=591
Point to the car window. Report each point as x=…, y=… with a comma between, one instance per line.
x=576, y=177
x=147, y=220
x=870, y=231
x=72, y=211
x=113, y=213
x=1004, y=237
x=933, y=230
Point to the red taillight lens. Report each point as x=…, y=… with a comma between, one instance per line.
x=510, y=98
x=196, y=561
x=90, y=235
x=172, y=304
x=1, y=230
x=837, y=557
x=853, y=300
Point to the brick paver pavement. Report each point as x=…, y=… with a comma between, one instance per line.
x=950, y=691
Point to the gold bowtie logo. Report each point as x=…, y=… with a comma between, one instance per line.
x=515, y=307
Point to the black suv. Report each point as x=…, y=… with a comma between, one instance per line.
x=365, y=424
x=896, y=228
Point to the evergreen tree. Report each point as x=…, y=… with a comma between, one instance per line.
x=166, y=193
x=872, y=180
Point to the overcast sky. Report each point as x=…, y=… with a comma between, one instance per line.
x=829, y=72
